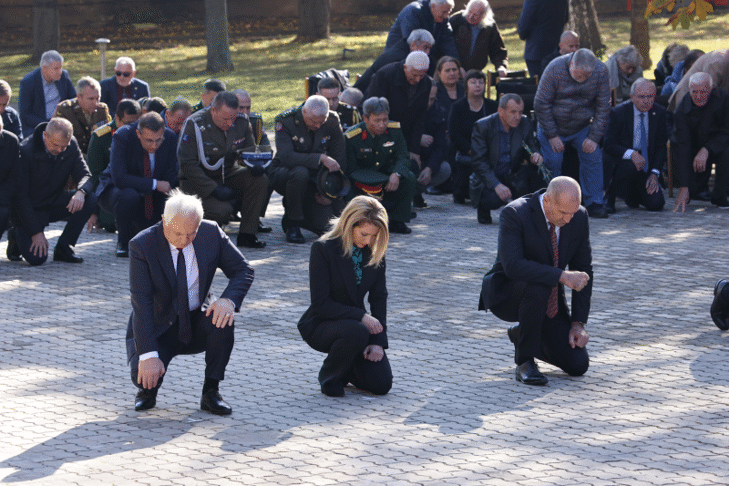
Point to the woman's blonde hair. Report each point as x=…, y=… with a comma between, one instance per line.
x=361, y=210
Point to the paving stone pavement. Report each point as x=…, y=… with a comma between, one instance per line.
x=652, y=409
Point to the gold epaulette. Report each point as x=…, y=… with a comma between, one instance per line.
x=101, y=131
x=256, y=115
x=393, y=124
x=353, y=132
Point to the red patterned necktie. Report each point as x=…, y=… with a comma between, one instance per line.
x=148, y=204
x=552, y=304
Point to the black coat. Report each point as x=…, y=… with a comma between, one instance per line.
x=9, y=167
x=489, y=44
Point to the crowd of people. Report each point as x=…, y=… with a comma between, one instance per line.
x=107, y=154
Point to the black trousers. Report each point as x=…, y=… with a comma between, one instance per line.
x=345, y=341
x=628, y=183
x=541, y=337
x=4, y=219
x=127, y=205
x=216, y=342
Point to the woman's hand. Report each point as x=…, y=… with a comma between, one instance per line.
x=373, y=352
x=373, y=325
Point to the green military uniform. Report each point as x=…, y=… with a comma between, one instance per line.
x=97, y=159
x=369, y=157
x=197, y=107
x=197, y=178
x=83, y=124
x=348, y=116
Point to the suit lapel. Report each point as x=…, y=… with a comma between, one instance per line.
x=540, y=222
x=202, y=263
x=165, y=256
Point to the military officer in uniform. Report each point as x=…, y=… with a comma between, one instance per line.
x=377, y=148
x=209, y=166
x=211, y=88
x=256, y=119
x=330, y=89
x=128, y=111
x=85, y=112
x=307, y=138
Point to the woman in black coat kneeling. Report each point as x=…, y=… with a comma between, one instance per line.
x=347, y=263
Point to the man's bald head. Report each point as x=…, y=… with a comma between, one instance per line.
x=569, y=42
x=562, y=200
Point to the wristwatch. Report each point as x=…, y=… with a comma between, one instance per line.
x=656, y=172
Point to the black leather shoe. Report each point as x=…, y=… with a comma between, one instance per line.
x=529, y=374
x=399, y=227
x=122, y=250
x=332, y=389
x=459, y=199
x=719, y=308
x=13, y=252
x=293, y=235
x=65, y=254
x=264, y=229
x=722, y=203
x=513, y=333
x=484, y=216
x=145, y=399
x=419, y=202
x=596, y=210
x=212, y=402
x=249, y=241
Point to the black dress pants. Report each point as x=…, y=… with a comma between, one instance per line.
x=629, y=184
x=345, y=341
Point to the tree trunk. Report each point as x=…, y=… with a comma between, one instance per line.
x=216, y=34
x=313, y=19
x=639, y=33
x=583, y=20
x=46, y=27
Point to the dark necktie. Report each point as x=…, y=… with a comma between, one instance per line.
x=552, y=304
x=148, y=203
x=183, y=312
x=643, y=141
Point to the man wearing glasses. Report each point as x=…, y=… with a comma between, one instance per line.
x=123, y=84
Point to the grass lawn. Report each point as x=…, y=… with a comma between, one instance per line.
x=273, y=69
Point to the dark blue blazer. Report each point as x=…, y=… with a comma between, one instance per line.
x=540, y=25
x=140, y=89
x=126, y=163
x=32, y=101
x=11, y=122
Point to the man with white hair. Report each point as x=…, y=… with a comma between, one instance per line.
x=85, y=112
x=42, y=89
x=124, y=84
x=478, y=38
x=171, y=269
x=406, y=86
x=308, y=138
x=700, y=139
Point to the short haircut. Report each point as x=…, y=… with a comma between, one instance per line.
x=584, y=59
x=214, y=85
x=241, y=92
x=441, y=2
x=375, y=106
x=225, y=98
x=151, y=121
x=60, y=125
x=126, y=107
x=561, y=185
x=124, y=60
x=629, y=55
x=677, y=53
x=474, y=74
x=328, y=83
x=5, y=88
x=85, y=82
x=442, y=62
x=155, y=104
x=180, y=204
x=351, y=97
x=178, y=104
x=359, y=211
x=317, y=105
x=504, y=100
x=638, y=82
x=50, y=57
x=421, y=35
x=418, y=60
x=700, y=78
x=567, y=34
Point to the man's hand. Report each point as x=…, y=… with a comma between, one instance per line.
x=394, y=183
x=163, y=187
x=503, y=192
x=373, y=325
x=223, y=312
x=92, y=224
x=323, y=200
x=536, y=159
x=426, y=140
x=374, y=352
x=556, y=144
x=589, y=146
x=574, y=279
x=578, y=337
x=652, y=185
x=700, y=160
x=329, y=163
x=501, y=70
x=39, y=245
x=416, y=158
x=682, y=199
x=76, y=202
x=424, y=177
x=149, y=372
x=638, y=160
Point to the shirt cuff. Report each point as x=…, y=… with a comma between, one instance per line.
x=150, y=355
x=628, y=154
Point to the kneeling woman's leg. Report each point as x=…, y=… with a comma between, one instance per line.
x=372, y=376
x=344, y=341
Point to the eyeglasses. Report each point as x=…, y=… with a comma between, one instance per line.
x=126, y=75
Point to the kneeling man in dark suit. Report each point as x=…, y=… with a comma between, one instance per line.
x=171, y=268
x=540, y=235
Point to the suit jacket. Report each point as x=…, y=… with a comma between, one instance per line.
x=525, y=254
x=335, y=294
x=540, y=25
x=153, y=281
x=140, y=89
x=619, y=137
x=32, y=100
x=417, y=15
x=9, y=167
x=82, y=129
x=126, y=163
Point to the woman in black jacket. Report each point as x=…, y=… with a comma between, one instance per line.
x=347, y=263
